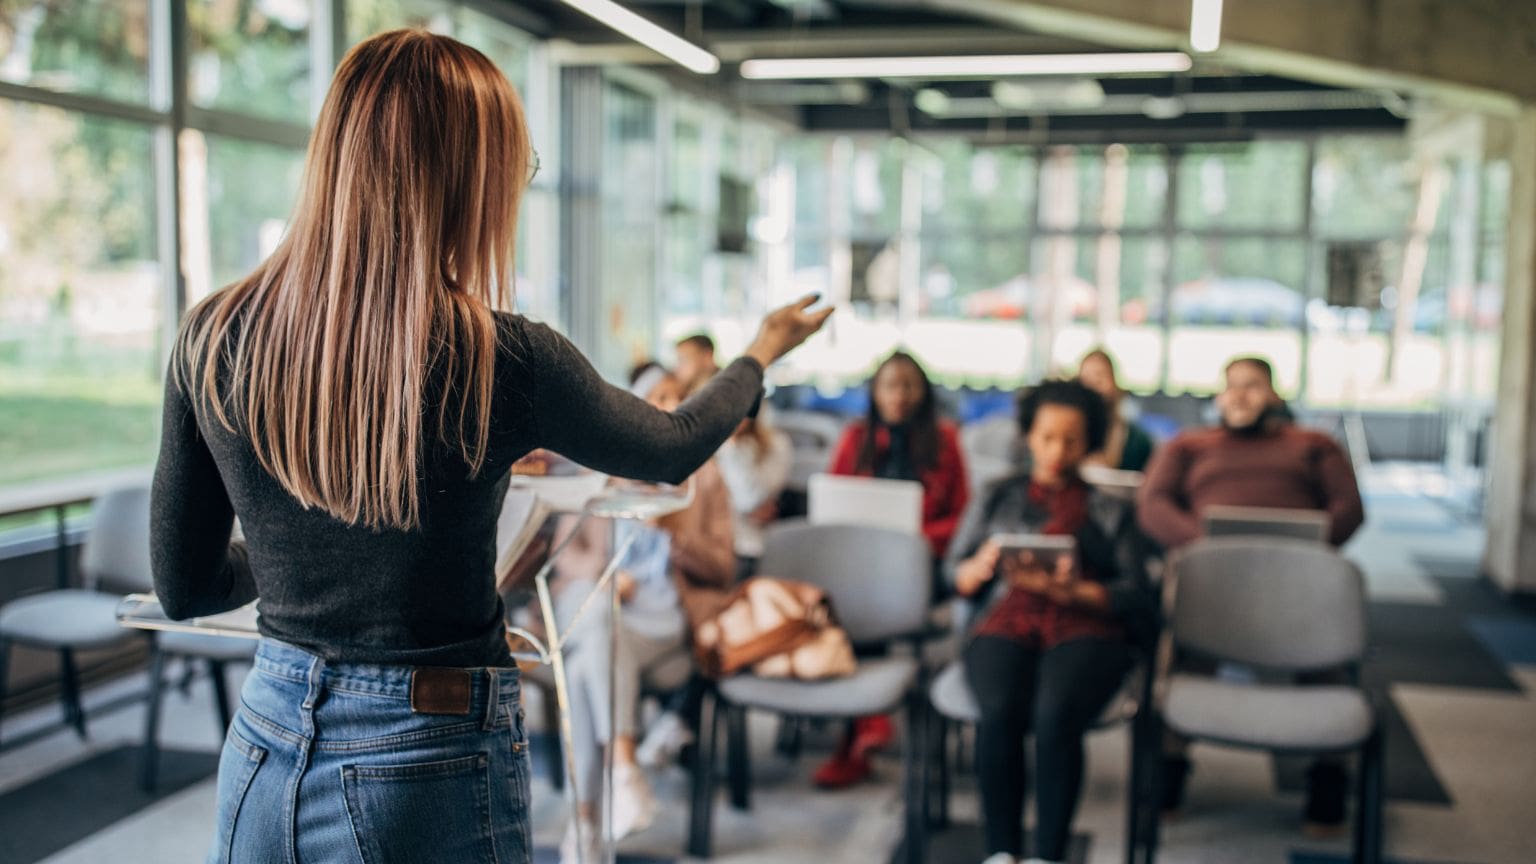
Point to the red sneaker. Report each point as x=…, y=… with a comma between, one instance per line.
x=873, y=733
x=841, y=771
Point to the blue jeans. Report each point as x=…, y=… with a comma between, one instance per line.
x=328, y=762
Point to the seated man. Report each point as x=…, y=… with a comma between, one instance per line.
x=695, y=362
x=1257, y=457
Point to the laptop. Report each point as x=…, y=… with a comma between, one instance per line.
x=1113, y=481
x=838, y=500
x=1227, y=521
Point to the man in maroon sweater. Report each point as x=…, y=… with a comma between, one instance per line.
x=1257, y=457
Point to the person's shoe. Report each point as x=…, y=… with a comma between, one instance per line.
x=845, y=768
x=588, y=849
x=664, y=742
x=1001, y=858
x=1175, y=775
x=634, y=807
x=873, y=733
x=1327, y=801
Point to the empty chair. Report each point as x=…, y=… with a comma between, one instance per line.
x=128, y=558
x=1279, y=606
x=80, y=619
x=878, y=582
x=995, y=438
x=813, y=436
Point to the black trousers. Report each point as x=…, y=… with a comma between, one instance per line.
x=1057, y=693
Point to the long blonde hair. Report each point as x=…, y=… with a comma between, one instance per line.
x=380, y=294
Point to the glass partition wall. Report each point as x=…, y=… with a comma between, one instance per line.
x=1001, y=264
x=139, y=135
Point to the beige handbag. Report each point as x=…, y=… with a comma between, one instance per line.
x=779, y=629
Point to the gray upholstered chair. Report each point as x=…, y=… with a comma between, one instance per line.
x=85, y=618
x=1280, y=607
x=215, y=652
x=878, y=582
x=995, y=438
x=813, y=436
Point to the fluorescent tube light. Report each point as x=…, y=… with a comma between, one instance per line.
x=968, y=66
x=1205, y=25
x=647, y=33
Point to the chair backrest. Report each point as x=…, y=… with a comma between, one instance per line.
x=878, y=503
x=117, y=546
x=995, y=437
x=1271, y=602
x=808, y=430
x=878, y=579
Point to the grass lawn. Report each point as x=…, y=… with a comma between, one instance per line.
x=59, y=426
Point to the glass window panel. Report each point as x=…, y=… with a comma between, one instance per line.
x=506, y=45
x=1255, y=185
x=1114, y=186
x=690, y=175
x=250, y=57
x=874, y=181
x=978, y=188
x=80, y=294
x=1361, y=186
x=98, y=47
x=631, y=212
x=1235, y=296
x=237, y=197
x=367, y=17
x=1102, y=290
x=967, y=276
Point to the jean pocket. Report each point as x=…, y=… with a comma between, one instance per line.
x=424, y=811
x=237, y=768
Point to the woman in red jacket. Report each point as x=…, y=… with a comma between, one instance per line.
x=902, y=438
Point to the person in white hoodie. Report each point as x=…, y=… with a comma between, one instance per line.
x=755, y=463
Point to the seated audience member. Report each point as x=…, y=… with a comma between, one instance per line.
x=902, y=438
x=675, y=576
x=1257, y=457
x=755, y=463
x=1049, y=649
x=1128, y=446
x=695, y=361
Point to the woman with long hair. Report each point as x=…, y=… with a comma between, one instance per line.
x=901, y=438
x=1127, y=446
x=357, y=402
x=1050, y=646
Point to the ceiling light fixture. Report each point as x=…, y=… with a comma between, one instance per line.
x=649, y=34
x=1205, y=25
x=968, y=66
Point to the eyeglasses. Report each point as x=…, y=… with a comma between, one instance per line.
x=533, y=166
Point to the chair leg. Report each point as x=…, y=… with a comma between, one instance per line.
x=915, y=841
x=220, y=696
x=1369, y=792
x=69, y=691
x=788, y=742
x=150, y=765
x=1142, y=806
x=739, y=758
x=5, y=671
x=939, y=751
x=1151, y=810
x=701, y=814
x=554, y=752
